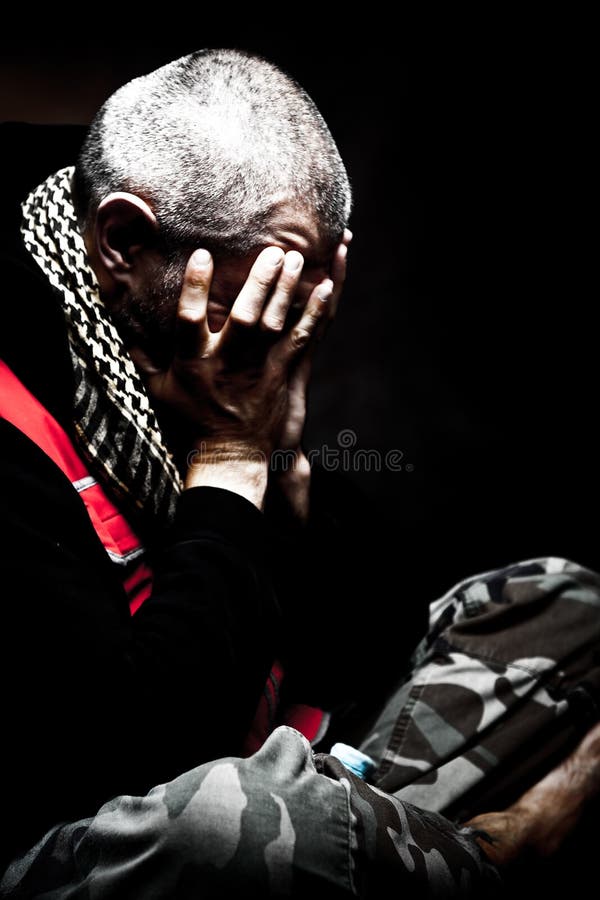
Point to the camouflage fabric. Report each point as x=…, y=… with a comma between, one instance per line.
x=504, y=684
x=505, y=680
x=280, y=823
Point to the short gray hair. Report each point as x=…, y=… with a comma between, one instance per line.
x=212, y=141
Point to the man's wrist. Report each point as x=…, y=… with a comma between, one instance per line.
x=236, y=467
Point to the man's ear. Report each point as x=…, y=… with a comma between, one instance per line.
x=126, y=227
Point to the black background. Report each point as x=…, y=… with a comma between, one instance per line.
x=467, y=336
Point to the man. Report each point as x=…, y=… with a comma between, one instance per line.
x=164, y=302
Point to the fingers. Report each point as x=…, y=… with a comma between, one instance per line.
x=247, y=309
x=338, y=270
x=192, y=325
x=338, y=275
x=277, y=307
x=297, y=340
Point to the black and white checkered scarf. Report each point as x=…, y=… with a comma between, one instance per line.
x=115, y=425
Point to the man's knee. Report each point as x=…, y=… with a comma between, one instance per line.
x=221, y=804
x=268, y=822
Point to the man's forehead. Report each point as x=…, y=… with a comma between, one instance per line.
x=293, y=227
x=231, y=271
x=316, y=253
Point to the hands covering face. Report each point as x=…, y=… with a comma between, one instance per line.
x=233, y=386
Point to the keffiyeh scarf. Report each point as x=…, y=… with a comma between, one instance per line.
x=115, y=425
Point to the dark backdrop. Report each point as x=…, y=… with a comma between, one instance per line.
x=466, y=337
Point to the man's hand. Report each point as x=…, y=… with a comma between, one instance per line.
x=292, y=478
x=540, y=821
x=232, y=386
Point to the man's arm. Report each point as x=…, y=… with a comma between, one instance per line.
x=540, y=822
x=103, y=702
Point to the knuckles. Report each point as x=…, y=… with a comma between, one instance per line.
x=299, y=337
x=197, y=280
x=191, y=314
x=264, y=280
x=272, y=323
x=244, y=316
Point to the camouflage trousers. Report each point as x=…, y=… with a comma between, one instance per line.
x=504, y=682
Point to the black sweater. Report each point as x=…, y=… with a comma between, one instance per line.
x=96, y=702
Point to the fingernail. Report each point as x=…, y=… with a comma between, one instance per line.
x=348, y=234
x=293, y=261
x=343, y=251
x=201, y=257
x=273, y=256
x=325, y=290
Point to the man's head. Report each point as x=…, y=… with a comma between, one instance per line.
x=218, y=149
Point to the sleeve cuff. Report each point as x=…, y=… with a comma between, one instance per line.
x=216, y=511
